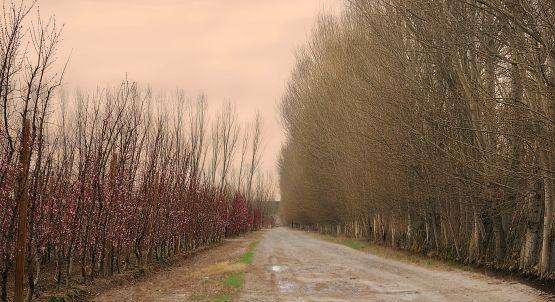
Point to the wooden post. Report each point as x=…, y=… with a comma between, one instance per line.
x=23, y=205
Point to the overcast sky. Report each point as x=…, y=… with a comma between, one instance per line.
x=241, y=50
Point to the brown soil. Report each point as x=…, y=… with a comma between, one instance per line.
x=197, y=278
x=191, y=273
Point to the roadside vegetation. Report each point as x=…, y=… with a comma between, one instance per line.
x=430, y=260
x=113, y=180
x=428, y=126
x=233, y=276
x=247, y=257
x=434, y=261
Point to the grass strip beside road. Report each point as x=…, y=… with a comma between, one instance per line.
x=395, y=254
x=234, y=278
x=435, y=262
x=247, y=257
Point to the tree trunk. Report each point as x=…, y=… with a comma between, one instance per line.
x=474, y=252
x=529, y=250
x=545, y=256
x=22, y=197
x=499, y=235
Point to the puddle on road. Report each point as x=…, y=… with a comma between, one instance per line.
x=279, y=268
x=285, y=286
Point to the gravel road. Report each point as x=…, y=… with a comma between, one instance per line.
x=293, y=266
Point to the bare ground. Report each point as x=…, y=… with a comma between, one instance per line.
x=292, y=266
x=199, y=278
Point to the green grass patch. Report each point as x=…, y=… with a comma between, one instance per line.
x=354, y=244
x=234, y=280
x=429, y=262
x=253, y=245
x=247, y=257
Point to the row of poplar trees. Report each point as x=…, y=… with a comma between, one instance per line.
x=428, y=125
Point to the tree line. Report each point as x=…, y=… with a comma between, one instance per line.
x=428, y=126
x=117, y=178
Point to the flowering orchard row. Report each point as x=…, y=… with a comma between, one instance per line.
x=116, y=186
x=113, y=179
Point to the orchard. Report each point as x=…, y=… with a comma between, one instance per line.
x=115, y=181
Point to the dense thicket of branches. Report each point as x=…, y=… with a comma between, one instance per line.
x=115, y=180
x=430, y=126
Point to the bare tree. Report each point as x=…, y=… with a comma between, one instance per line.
x=229, y=136
x=427, y=127
x=255, y=152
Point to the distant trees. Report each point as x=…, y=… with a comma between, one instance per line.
x=115, y=180
x=428, y=125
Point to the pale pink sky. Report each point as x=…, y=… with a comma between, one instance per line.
x=241, y=50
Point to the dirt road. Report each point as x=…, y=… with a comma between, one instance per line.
x=293, y=266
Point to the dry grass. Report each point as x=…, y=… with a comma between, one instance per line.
x=226, y=277
x=394, y=254
x=199, y=278
x=222, y=268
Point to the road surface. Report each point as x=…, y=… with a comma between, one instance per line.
x=293, y=266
